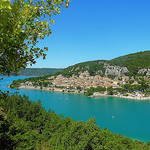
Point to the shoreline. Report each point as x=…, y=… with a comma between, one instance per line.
x=121, y=96
x=82, y=92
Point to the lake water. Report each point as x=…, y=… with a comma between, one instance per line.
x=122, y=116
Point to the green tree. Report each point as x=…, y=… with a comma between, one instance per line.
x=110, y=90
x=79, y=88
x=100, y=89
x=144, y=86
x=22, y=24
x=131, y=81
x=90, y=91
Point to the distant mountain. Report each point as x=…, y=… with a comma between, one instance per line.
x=37, y=71
x=131, y=64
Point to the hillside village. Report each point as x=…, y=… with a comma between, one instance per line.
x=86, y=81
x=126, y=76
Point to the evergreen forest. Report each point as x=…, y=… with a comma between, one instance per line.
x=25, y=124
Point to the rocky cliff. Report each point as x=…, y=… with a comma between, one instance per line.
x=145, y=71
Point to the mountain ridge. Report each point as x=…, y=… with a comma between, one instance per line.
x=120, y=66
x=37, y=71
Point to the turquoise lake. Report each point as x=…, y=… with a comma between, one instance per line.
x=122, y=116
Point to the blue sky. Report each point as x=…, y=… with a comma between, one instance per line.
x=95, y=30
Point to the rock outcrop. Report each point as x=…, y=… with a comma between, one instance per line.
x=144, y=70
x=115, y=70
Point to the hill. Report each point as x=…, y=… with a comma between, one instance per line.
x=124, y=76
x=37, y=71
x=133, y=62
x=124, y=65
x=94, y=67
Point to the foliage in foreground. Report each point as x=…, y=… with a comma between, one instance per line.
x=25, y=124
x=23, y=23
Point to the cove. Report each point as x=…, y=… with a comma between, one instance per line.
x=122, y=116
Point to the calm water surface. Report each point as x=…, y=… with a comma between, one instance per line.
x=122, y=116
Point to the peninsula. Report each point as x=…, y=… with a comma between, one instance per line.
x=126, y=76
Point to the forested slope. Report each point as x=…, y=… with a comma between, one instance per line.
x=92, y=66
x=133, y=62
x=37, y=71
x=25, y=124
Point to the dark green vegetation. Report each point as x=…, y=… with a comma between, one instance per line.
x=92, y=66
x=25, y=124
x=133, y=62
x=37, y=81
x=37, y=71
x=91, y=90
